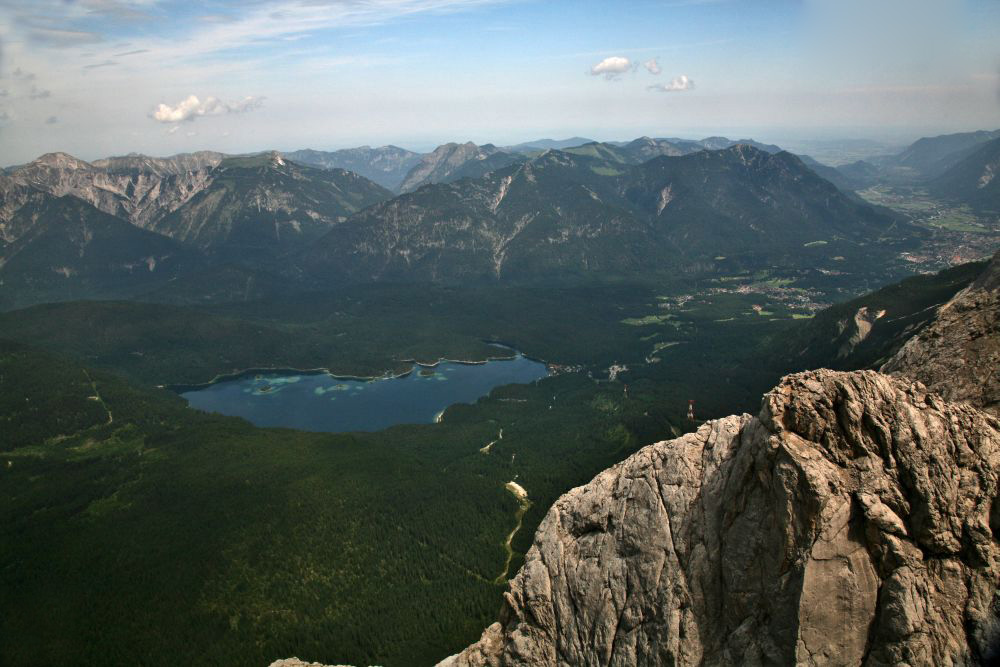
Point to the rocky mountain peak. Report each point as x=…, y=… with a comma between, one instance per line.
x=136, y=188
x=746, y=153
x=386, y=165
x=182, y=163
x=59, y=161
x=827, y=530
x=451, y=161
x=268, y=161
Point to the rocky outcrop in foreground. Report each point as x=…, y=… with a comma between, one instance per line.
x=958, y=355
x=855, y=521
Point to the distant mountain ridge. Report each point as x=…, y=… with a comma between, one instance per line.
x=55, y=248
x=923, y=163
x=932, y=156
x=255, y=206
x=546, y=144
x=565, y=214
x=642, y=149
x=450, y=162
x=468, y=212
x=974, y=180
x=386, y=165
x=136, y=188
x=122, y=226
x=754, y=200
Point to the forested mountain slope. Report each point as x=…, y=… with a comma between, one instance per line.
x=60, y=248
x=258, y=206
x=563, y=216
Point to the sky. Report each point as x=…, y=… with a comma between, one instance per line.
x=107, y=77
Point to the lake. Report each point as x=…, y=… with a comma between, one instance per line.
x=322, y=402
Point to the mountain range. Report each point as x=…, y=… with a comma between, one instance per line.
x=136, y=188
x=451, y=162
x=403, y=171
x=387, y=165
x=921, y=163
x=58, y=248
x=566, y=214
x=932, y=156
x=595, y=211
x=257, y=207
x=545, y=144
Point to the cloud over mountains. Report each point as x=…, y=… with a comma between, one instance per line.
x=678, y=84
x=611, y=67
x=192, y=107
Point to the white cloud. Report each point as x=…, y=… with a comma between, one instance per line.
x=678, y=84
x=652, y=66
x=192, y=107
x=611, y=67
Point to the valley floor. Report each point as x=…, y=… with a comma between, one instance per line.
x=164, y=535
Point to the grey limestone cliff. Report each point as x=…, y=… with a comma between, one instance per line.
x=852, y=522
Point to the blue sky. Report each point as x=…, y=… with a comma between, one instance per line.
x=102, y=77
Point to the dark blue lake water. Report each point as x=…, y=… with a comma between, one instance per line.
x=322, y=402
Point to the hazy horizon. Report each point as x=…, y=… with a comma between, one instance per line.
x=109, y=77
x=872, y=144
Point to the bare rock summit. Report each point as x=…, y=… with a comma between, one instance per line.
x=854, y=521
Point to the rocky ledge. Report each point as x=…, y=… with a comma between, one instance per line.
x=855, y=521
x=958, y=354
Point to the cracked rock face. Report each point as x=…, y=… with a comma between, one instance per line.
x=855, y=521
x=958, y=355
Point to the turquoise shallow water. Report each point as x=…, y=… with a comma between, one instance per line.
x=322, y=402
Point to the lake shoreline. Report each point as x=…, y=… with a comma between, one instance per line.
x=286, y=398
x=388, y=375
